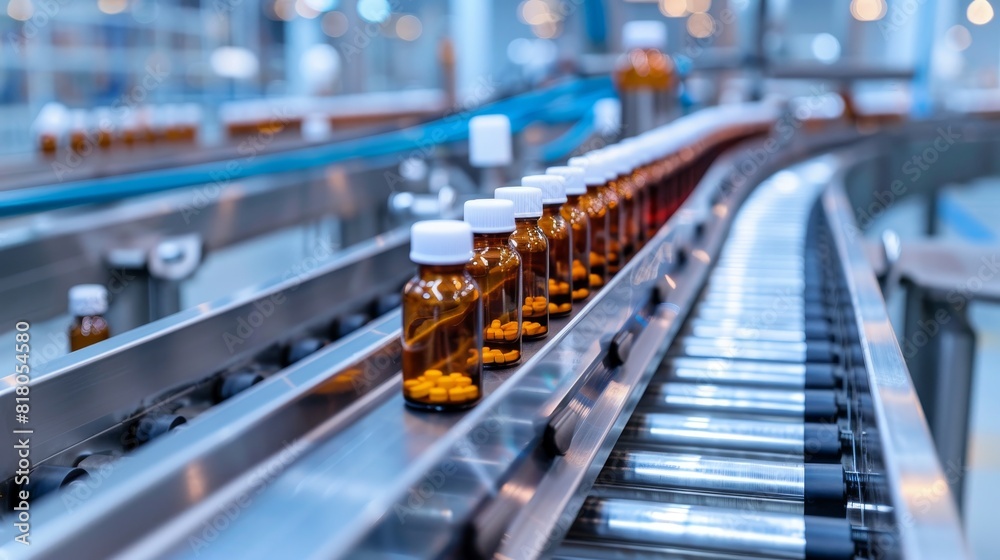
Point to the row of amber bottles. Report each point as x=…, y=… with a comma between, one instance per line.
x=83, y=130
x=625, y=194
x=488, y=283
x=519, y=274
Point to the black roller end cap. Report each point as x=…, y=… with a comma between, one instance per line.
x=828, y=539
x=350, y=323
x=152, y=427
x=825, y=490
x=821, y=352
x=301, y=349
x=48, y=478
x=236, y=383
x=821, y=376
x=820, y=406
x=821, y=443
x=816, y=329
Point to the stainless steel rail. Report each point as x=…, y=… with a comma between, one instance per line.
x=98, y=388
x=925, y=511
x=47, y=254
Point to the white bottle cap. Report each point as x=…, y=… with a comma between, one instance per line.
x=602, y=163
x=592, y=172
x=644, y=34
x=88, y=299
x=573, y=177
x=553, y=187
x=637, y=152
x=490, y=141
x=620, y=160
x=490, y=215
x=527, y=200
x=440, y=242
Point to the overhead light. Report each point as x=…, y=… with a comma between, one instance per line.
x=979, y=12
x=826, y=48
x=334, y=24
x=700, y=25
x=409, y=28
x=673, y=8
x=234, y=62
x=21, y=10
x=868, y=10
x=696, y=6
x=374, y=11
x=112, y=6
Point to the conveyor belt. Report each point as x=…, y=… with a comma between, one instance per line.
x=729, y=415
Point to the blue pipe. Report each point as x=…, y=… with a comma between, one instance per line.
x=522, y=109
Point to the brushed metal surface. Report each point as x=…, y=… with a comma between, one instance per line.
x=709, y=432
x=929, y=524
x=772, y=535
x=699, y=473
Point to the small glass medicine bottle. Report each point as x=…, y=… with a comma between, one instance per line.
x=621, y=167
x=610, y=193
x=579, y=222
x=496, y=268
x=560, y=238
x=592, y=202
x=442, y=334
x=646, y=79
x=87, y=304
x=637, y=154
x=530, y=242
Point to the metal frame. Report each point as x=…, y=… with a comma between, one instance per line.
x=928, y=522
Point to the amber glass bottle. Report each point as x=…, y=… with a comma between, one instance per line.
x=644, y=69
x=560, y=238
x=621, y=167
x=609, y=192
x=645, y=78
x=530, y=242
x=87, y=304
x=593, y=204
x=442, y=332
x=496, y=268
x=637, y=154
x=579, y=222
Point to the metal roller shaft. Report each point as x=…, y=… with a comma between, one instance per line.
x=705, y=432
x=771, y=375
x=785, y=303
x=702, y=328
x=692, y=527
x=794, y=352
x=766, y=317
x=812, y=405
x=736, y=400
x=742, y=477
